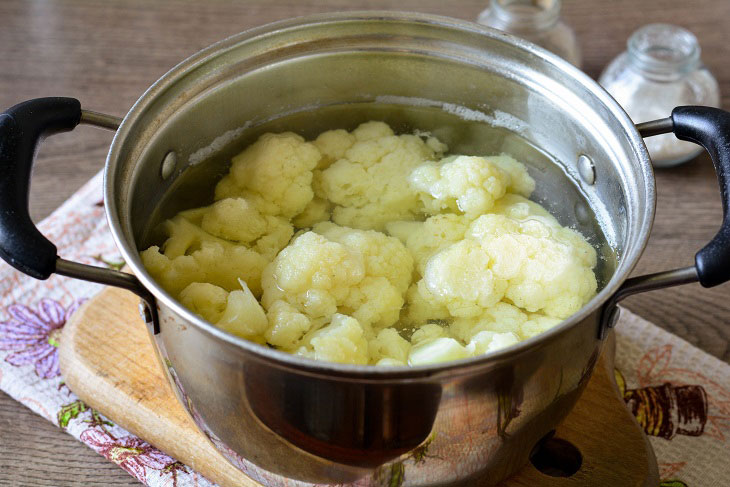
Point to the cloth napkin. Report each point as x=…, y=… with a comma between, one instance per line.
x=679, y=394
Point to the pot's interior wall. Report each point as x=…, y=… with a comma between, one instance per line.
x=413, y=76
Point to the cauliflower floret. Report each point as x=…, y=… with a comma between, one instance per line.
x=318, y=210
x=374, y=301
x=502, y=340
x=287, y=326
x=372, y=130
x=384, y=256
x=228, y=188
x=389, y=362
x=194, y=215
x=421, y=307
x=191, y=254
x=369, y=183
x=172, y=274
x=367, y=217
x=435, y=144
x=402, y=230
x=314, y=274
x=223, y=265
x=459, y=277
x=500, y=318
x=243, y=315
x=520, y=208
x=343, y=341
x=184, y=237
x=465, y=184
x=205, y=299
x=332, y=145
x=235, y=219
x=389, y=348
x=428, y=333
x=520, y=181
x=213, y=262
x=488, y=341
x=545, y=271
x=437, y=351
x=426, y=238
x=537, y=324
x=432, y=345
x=362, y=273
x=274, y=174
x=237, y=312
x=279, y=235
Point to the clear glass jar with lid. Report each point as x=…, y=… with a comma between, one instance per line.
x=660, y=70
x=537, y=21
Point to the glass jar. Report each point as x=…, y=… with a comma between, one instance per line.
x=660, y=70
x=537, y=21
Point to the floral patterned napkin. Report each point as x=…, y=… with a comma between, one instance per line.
x=679, y=394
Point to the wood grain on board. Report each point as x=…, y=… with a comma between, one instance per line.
x=107, y=331
x=107, y=52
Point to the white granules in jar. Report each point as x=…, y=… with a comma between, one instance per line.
x=661, y=70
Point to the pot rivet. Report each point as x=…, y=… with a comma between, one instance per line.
x=586, y=169
x=614, y=316
x=168, y=165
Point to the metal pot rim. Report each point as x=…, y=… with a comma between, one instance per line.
x=283, y=359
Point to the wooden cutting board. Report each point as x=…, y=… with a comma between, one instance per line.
x=107, y=359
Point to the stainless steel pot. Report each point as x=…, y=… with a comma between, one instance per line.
x=277, y=416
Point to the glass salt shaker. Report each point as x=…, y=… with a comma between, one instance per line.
x=660, y=70
x=537, y=21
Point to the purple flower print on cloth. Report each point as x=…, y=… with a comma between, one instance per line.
x=129, y=452
x=34, y=335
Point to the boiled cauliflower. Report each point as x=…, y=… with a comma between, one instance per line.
x=218, y=263
x=237, y=312
x=274, y=174
x=287, y=326
x=546, y=267
x=313, y=274
x=460, y=278
x=332, y=269
x=421, y=307
x=389, y=348
x=316, y=211
x=384, y=256
x=423, y=239
x=500, y=318
x=343, y=340
x=366, y=174
x=333, y=144
x=469, y=185
x=367, y=247
x=435, y=351
x=520, y=181
x=237, y=220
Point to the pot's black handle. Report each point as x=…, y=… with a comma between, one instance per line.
x=21, y=127
x=710, y=128
x=21, y=244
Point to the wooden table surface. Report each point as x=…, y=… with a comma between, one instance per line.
x=107, y=52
